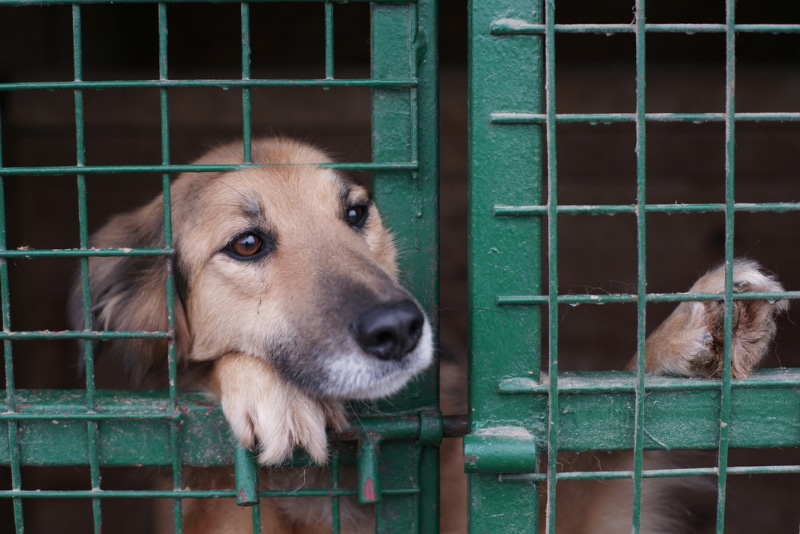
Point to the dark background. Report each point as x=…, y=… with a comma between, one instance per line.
x=595, y=73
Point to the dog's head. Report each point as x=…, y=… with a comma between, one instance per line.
x=287, y=261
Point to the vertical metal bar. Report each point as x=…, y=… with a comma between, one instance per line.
x=5, y=312
x=730, y=139
x=505, y=254
x=246, y=472
x=82, y=208
x=425, y=150
x=172, y=364
x=428, y=480
x=404, y=128
x=80, y=145
x=552, y=267
x=328, y=40
x=641, y=242
x=247, y=128
x=411, y=206
x=335, y=516
x=257, y=519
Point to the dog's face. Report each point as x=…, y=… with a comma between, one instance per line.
x=288, y=262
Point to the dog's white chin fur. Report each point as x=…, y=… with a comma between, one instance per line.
x=358, y=376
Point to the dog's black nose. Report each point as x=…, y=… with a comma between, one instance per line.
x=389, y=331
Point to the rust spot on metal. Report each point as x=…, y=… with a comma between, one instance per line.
x=369, y=490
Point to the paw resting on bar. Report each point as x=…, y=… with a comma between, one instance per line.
x=266, y=413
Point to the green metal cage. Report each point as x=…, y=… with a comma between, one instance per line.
x=395, y=446
x=520, y=417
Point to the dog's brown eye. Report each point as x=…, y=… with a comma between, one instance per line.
x=356, y=215
x=246, y=245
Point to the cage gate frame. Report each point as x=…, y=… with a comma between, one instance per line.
x=519, y=416
x=396, y=448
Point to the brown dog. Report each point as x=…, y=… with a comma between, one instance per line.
x=287, y=295
x=288, y=299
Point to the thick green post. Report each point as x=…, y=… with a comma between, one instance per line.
x=405, y=131
x=506, y=75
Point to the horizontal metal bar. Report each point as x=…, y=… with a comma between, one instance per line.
x=622, y=298
x=654, y=473
x=31, y=253
x=135, y=428
x=616, y=209
x=189, y=494
x=581, y=382
x=117, y=169
x=522, y=117
x=217, y=83
x=20, y=3
x=521, y=27
x=596, y=411
x=71, y=334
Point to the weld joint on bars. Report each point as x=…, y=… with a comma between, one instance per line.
x=218, y=83
x=525, y=118
x=614, y=209
x=506, y=26
x=617, y=298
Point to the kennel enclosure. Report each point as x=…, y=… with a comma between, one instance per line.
x=73, y=135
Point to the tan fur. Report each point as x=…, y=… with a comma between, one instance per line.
x=282, y=338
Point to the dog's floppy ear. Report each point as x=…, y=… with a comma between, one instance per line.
x=128, y=293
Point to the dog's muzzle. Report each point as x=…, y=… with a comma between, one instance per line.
x=389, y=331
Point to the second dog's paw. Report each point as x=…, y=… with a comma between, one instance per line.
x=690, y=342
x=267, y=413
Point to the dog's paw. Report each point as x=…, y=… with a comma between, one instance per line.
x=690, y=341
x=269, y=415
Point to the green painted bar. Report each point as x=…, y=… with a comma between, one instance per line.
x=219, y=83
x=509, y=26
x=640, y=419
x=134, y=428
x=594, y=119
x=389, y=166
x=615, y=209
x=404, y=129
x=506, y=167
x=597, y=411
x=553, y=406
x=246, y=471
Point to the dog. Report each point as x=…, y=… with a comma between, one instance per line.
x=287, y=303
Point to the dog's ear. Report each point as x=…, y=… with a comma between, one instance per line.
x=128, y=293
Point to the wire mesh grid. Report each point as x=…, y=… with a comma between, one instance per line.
x=520, y=415
x=175, y=429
